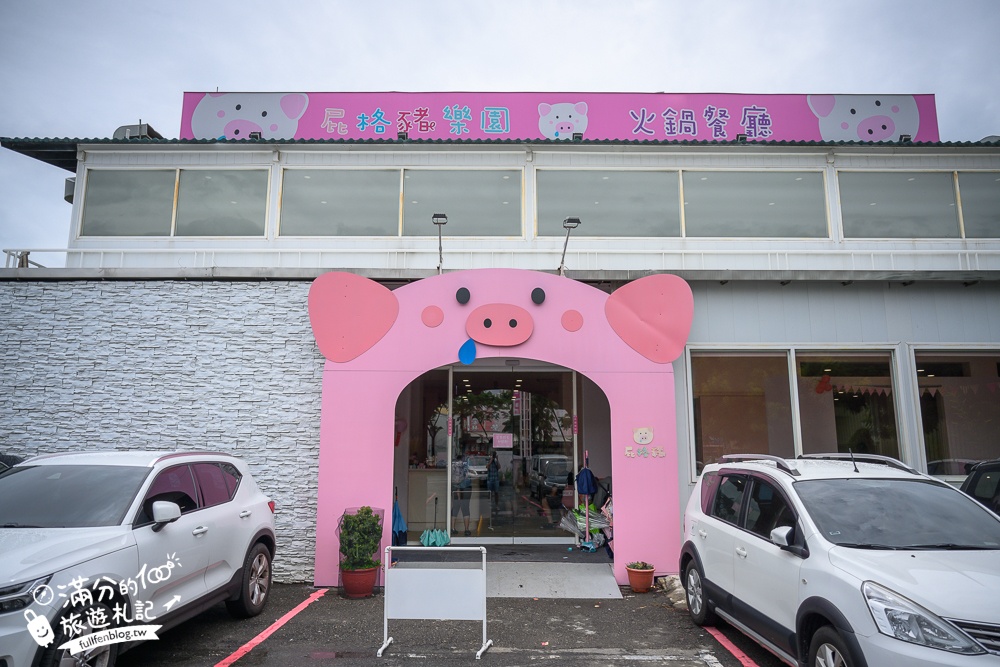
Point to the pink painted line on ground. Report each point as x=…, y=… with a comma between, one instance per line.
x=731, y=647
x=249, y=646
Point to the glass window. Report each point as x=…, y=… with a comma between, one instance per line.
x=128, y=203
x=340, y=202
x=477, y=202
x=609, y=203
x=232, y=476
x=959, y=409
x=221, y=202
x=754, y=204
x=898, y=205
x=212, y=483
x=742, y=405
x=980, y=204
x=175, y=485
x=729, y=499
x=709, y=483
x=67, y=496
x=767, y=510
x=846, y=403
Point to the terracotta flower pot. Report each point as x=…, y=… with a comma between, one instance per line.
x=639, y=580
x=358, y=583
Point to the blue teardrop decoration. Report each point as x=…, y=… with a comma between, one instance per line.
x=467, y=353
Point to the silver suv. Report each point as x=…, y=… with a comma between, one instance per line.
x=844, y=560
x=102, y=550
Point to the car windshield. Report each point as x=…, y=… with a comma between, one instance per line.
x=67, y=496
x=897, y=514
x=556, y=469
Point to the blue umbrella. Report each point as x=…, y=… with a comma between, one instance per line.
x=399, y=527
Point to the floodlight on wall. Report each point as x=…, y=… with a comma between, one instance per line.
x=741, y=138
x=440, y=220
x=905, y=138
x=402, y=136
x=578, y=136
x=256, y=135
x=569, y=224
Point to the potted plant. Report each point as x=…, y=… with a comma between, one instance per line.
x=640, y=576
x=360, y=539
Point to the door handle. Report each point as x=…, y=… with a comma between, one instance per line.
x=245, y=513
x=741, y=552
x=702, y=534
x=200, y=530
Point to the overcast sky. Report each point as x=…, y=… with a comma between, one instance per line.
x=78, y=69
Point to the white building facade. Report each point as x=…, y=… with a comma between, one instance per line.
x=846, y=297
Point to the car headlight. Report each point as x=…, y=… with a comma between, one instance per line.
x=898, y=617
x=19, y=596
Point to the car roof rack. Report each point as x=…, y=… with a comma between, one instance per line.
x=862, y=458
x=777, y=460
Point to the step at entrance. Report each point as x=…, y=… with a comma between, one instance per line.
x=520, y=579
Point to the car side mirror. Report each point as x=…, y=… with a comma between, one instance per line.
x=782, y=537
x=164, y=512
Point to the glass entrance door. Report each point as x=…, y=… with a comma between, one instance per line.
x=512, y=452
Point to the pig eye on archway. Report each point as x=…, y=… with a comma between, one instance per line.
x=538, y=295
x=463, y=295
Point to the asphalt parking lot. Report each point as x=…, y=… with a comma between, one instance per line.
x=303, y=626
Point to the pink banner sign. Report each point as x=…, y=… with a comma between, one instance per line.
x=558, y=116
x=503, y=441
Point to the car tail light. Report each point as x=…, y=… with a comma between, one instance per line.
x=270, y=504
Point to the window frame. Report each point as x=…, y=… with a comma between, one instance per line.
x=955, y=201
x=141, y=512
x=176, y=169
x=825, y=191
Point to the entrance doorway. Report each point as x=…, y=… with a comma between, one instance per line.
x=524, y=416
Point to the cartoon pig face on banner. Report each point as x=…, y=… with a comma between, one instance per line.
x=561, y=121
x=865, y=117
x=236, y=115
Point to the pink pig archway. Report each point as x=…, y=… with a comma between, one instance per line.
x=376, y=341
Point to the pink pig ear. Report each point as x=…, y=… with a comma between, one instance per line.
x=580, y=108
x=822, y=105
x=349, y=314
x=294, y=105
x=544, y=109
x=653, y=316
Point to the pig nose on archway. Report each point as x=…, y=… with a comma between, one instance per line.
x=500, y=324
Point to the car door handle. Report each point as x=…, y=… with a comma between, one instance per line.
x=245, y=513
x=702, y=534
x=200, y=530
x=741, y=552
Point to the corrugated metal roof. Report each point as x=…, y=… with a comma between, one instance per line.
x=61, y=152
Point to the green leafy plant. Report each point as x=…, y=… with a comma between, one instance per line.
x=360, y=538
x=639, y=565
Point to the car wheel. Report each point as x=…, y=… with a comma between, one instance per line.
x=827, y=649
x=697, y=600
x=98, y=656
x=255, y=585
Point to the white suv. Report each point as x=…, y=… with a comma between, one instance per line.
x=844, y=560
x=101, y=550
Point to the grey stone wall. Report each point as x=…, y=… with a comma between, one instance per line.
x=228, y=366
